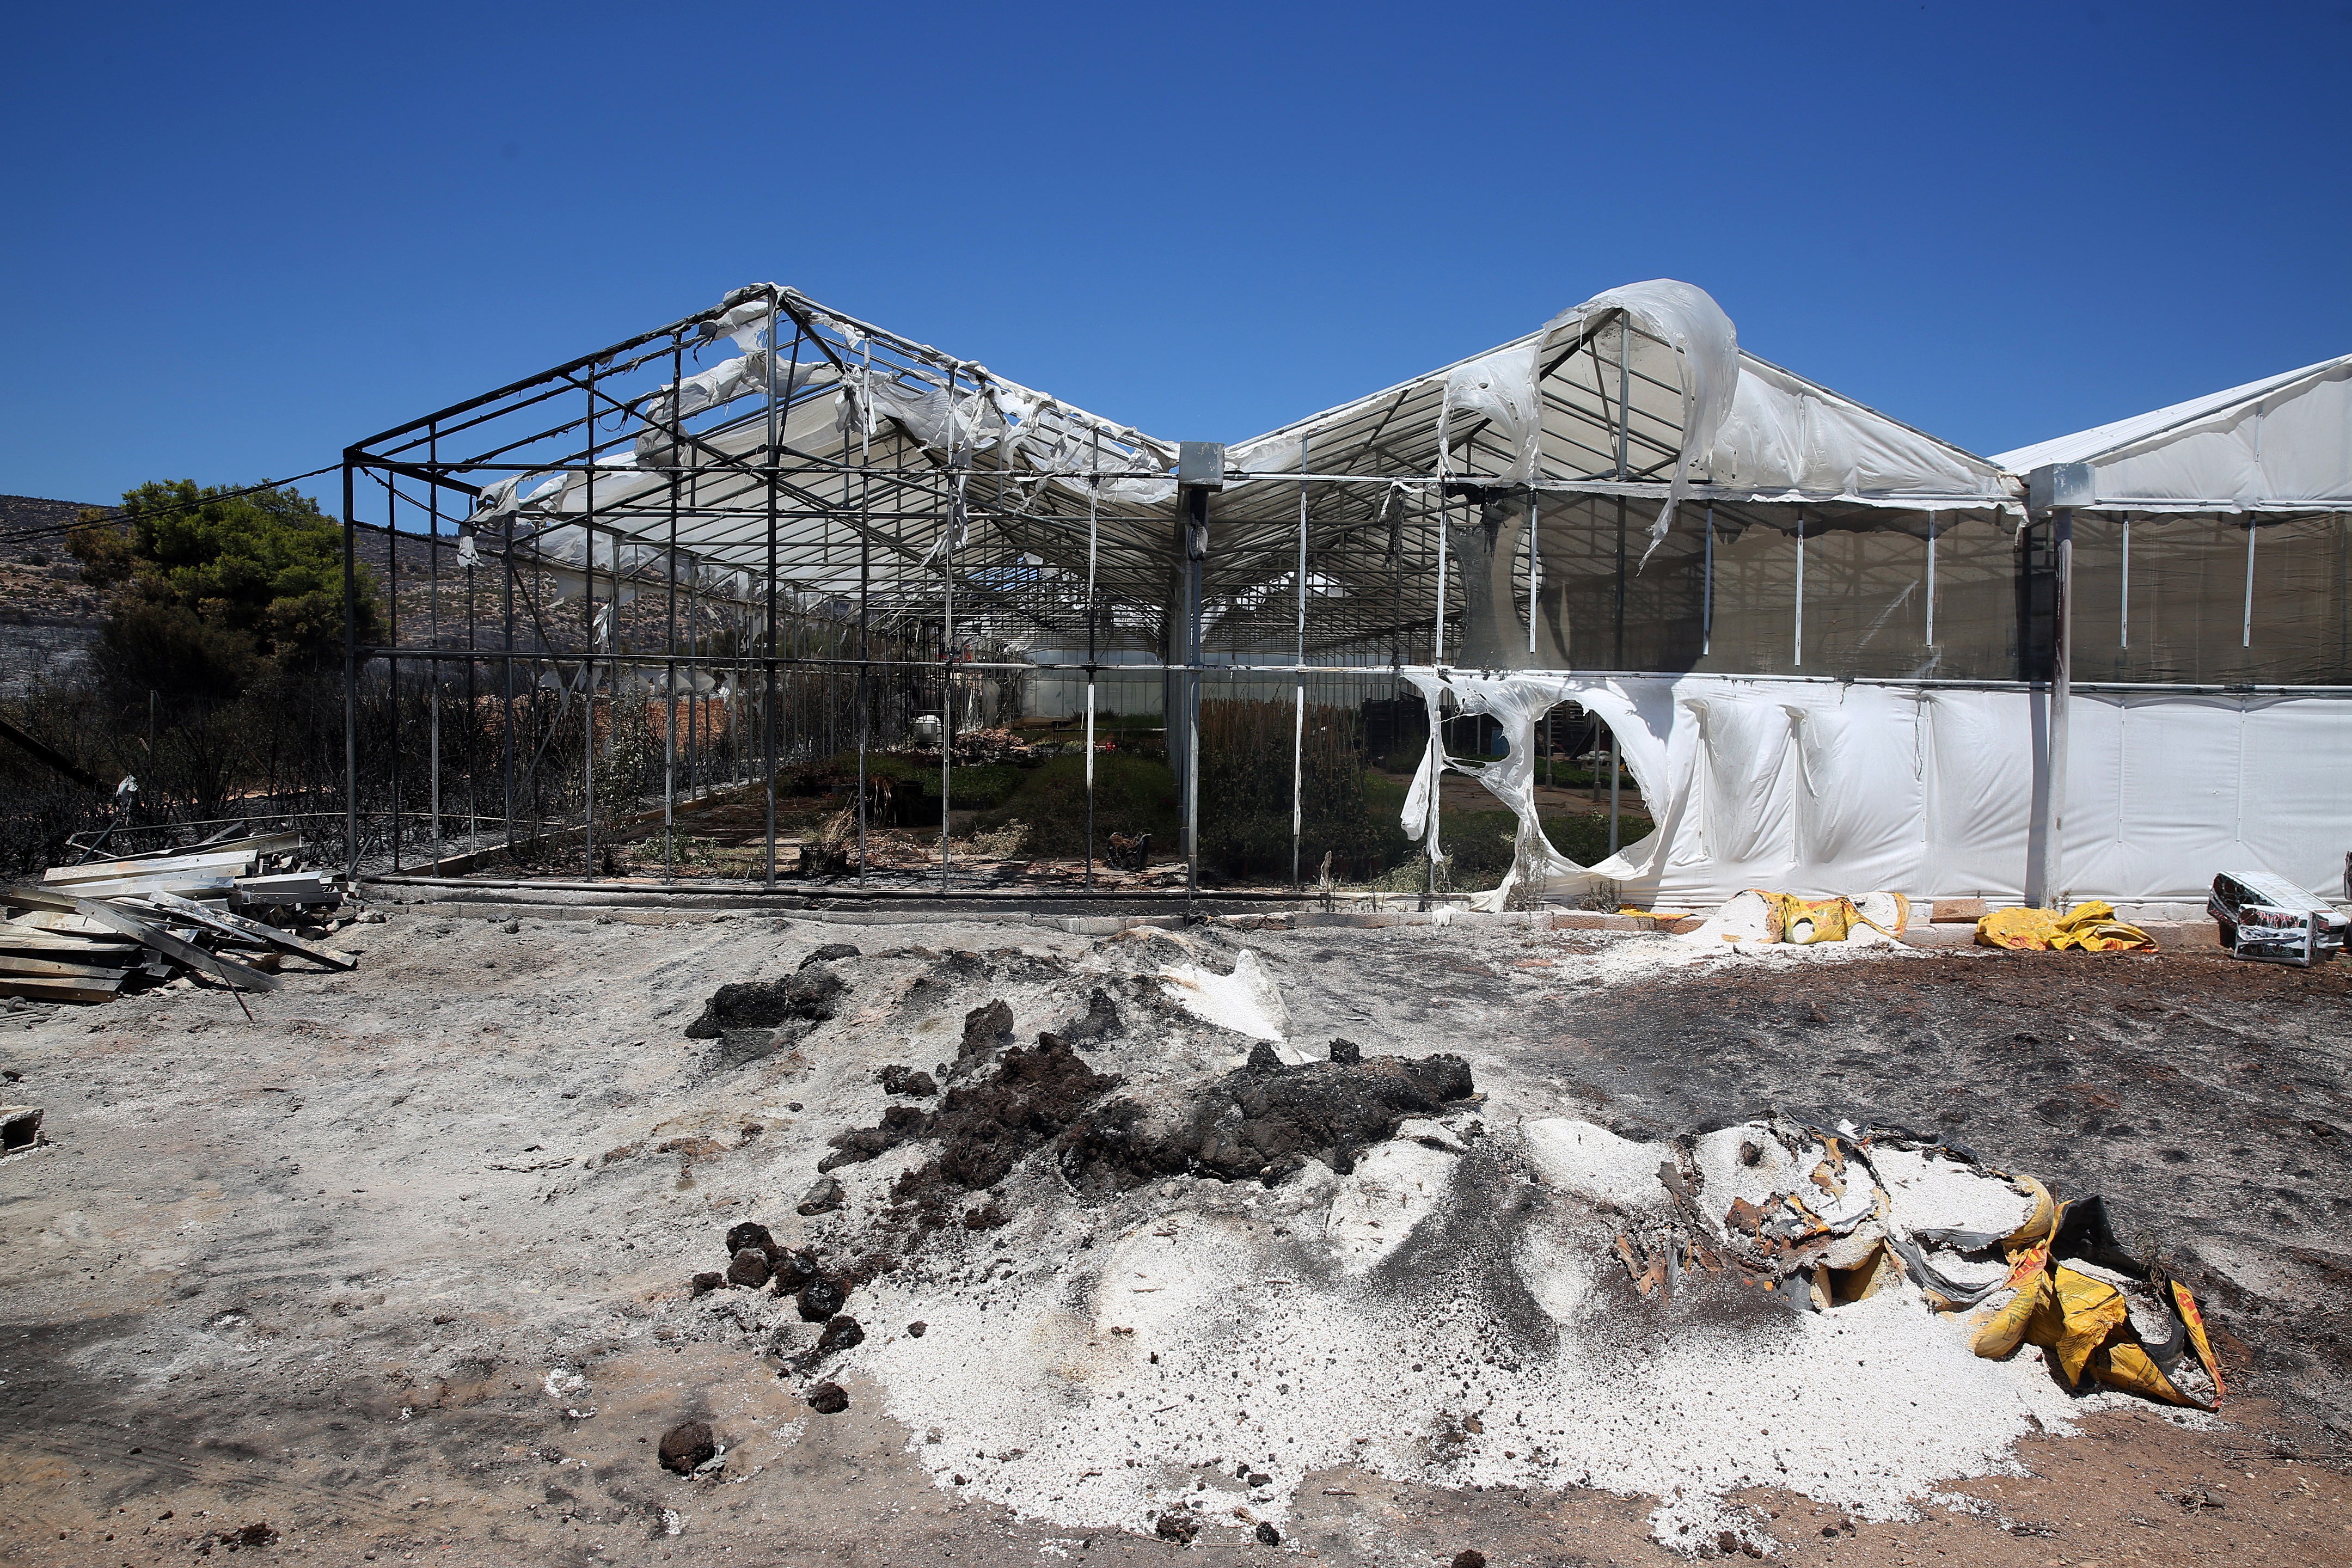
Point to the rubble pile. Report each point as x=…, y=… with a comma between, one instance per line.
x=226, y=912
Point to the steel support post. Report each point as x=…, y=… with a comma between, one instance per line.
x=351, y=679
x=947, y=630
x=588, y=663
x=865, y=591
x=506, y=718
x=2062, y=692
x=392, y=641
x=1192, y=512
x=669, y=631
x=1299, y=719
x=432, y=620
x=768, y=706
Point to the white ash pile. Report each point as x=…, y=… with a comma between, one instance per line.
x=1152, y=1272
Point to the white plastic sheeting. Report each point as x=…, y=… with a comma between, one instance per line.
x=1818, y=788
x=1501, y=388
x=1706, y=346
x=2285, y=442
x=1785, y=438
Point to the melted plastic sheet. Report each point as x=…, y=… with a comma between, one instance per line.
x=1818, y=789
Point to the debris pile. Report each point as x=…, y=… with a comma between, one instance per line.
x=227, y=912
x=1158, y=1282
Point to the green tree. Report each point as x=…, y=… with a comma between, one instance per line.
x=268, y=566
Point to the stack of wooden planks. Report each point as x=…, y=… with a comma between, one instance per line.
x=88, y=931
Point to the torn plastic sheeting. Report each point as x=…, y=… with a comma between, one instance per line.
x=746, y=320
x=1931, y=791
x=1707, y=349
x=2085, y=1324
x=1761, y=916
x=724, y=382
x=1246, y=1000
x=1782, y=438
x=1501, y=389
x=1278, y=454
x=1517, y=701
x=969, y=424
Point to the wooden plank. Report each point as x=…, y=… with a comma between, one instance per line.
x=51, y=969
x=59, y=989
x=59, y=944
x=152, y=935
x=227, y=862
x=253, y=930
x=181, y=882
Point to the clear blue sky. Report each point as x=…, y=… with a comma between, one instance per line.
x=240, y=237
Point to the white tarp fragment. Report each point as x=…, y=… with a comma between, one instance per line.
x=971, y=423
x=1706, y=346
x=1500, y=388
x=1246, y=1001
x=1280, y=454
x=1784, y=438
x=742, y=376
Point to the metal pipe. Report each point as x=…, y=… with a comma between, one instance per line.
x=432, y=670
x=1800, y=632
x=1706, y=592
x=588, y=665
x=392, y=663
x=768, y=704
x=1094, y=496
x=351, y=679
x=2247, y=638
x=1299, y=722
x=669, y=646
x=506, y=724
x=2123, y=596
x=865, y=587
x=2061, y=677
x=1616, y=772
x=947, y=635
x=1931, y=578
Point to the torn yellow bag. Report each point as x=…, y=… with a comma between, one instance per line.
x=1804, y=921
x=2084, y=1324
x=2089, y=927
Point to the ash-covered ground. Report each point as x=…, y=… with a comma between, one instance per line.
x=408, y=1264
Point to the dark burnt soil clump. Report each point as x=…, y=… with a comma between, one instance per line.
x=1263, y=1120
x=985, y=1126
x=809, y=996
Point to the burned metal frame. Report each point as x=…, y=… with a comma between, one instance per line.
x=998, y=533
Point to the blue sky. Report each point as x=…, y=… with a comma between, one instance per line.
x=241, y=236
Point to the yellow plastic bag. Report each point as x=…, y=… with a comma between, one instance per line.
x=1805, y=920
x=2090, y=927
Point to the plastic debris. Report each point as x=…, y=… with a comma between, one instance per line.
x=2087, y=928
x=1761, y=915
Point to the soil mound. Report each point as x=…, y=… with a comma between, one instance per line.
x=986, y=1127
x=1261, y=1121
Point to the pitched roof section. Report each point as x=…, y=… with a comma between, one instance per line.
x=2282, y=443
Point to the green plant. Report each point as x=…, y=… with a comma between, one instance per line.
x=1132, y=794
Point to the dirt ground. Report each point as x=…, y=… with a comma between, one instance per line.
x=398, y=1272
